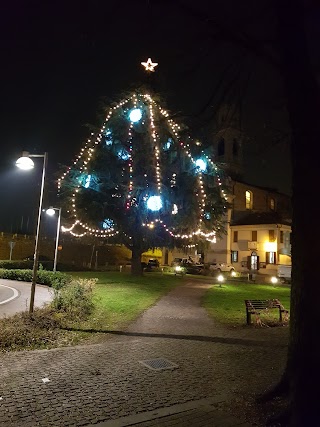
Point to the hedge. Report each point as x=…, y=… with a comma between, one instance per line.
x=44, y=277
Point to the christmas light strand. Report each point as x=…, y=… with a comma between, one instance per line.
x=84, y=157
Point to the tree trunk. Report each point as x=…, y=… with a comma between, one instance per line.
x=136, y=268
x=304, y=111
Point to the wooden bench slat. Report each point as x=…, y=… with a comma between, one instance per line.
x=256, y=306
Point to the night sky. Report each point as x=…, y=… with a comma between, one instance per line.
x=60, y=61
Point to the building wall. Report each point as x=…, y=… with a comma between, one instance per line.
x=73, y=251
x=245, y=246
x=221, y=250
x=261, y=199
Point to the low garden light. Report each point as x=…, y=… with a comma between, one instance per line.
x=220, y=278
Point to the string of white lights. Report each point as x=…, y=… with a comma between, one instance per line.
x=82, y=161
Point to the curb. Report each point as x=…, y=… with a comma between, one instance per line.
x=202, y=412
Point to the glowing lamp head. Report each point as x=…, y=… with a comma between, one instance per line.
x=154, y=203
x=220, y=278
x=135, y=115
x=50, y=212
x=201, y=165
x=25, y=163
x=274, y=280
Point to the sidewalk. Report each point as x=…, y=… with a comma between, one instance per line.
x=172, y=367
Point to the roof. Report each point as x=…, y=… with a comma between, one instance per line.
x=254, y=218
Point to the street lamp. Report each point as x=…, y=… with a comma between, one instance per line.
x=51, y=212
x=26, y=163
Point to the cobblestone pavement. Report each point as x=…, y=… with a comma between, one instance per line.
x=107, y=383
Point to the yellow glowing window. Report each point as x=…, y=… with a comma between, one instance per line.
x=272, y=236
x=272, y=204
x=248, y=199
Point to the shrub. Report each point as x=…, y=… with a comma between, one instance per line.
x=23, y=331
x=23, y=264
x=44, y=277
x=75, y=299
x=46, y=265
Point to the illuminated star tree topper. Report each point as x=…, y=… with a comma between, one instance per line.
x=142, y=181
x=149, y=65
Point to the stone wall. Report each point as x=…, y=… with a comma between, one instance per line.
x=73, y=251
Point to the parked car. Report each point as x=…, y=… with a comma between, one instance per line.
x=188, y=265
x=219, y=267
x=151, y=264
x=194, y=268
x=284, y=273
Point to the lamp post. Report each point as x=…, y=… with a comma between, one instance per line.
x=51, y=212
x=26, y=163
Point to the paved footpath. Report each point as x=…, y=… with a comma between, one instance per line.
x=172, y=367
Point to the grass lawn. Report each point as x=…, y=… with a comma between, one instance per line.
x=119, y=297
x=226, y=303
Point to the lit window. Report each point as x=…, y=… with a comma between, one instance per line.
x=272, y=204
x=270, y=258
x=271, y=236
x=234, y=256
x=248, y=199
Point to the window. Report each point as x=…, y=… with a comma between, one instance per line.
x=234, y=256
x=271, y=236
x=281, y=237
x=248, y=199
x=235, y=236
x=270, y=258
x=254, y=236
x=272, y=204
x=287, y=238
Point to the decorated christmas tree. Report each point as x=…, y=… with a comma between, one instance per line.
x=142, y=181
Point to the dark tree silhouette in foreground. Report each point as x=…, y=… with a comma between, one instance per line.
x=288, y=52
x=302, y=373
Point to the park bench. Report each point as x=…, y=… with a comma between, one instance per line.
x=256, y=306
